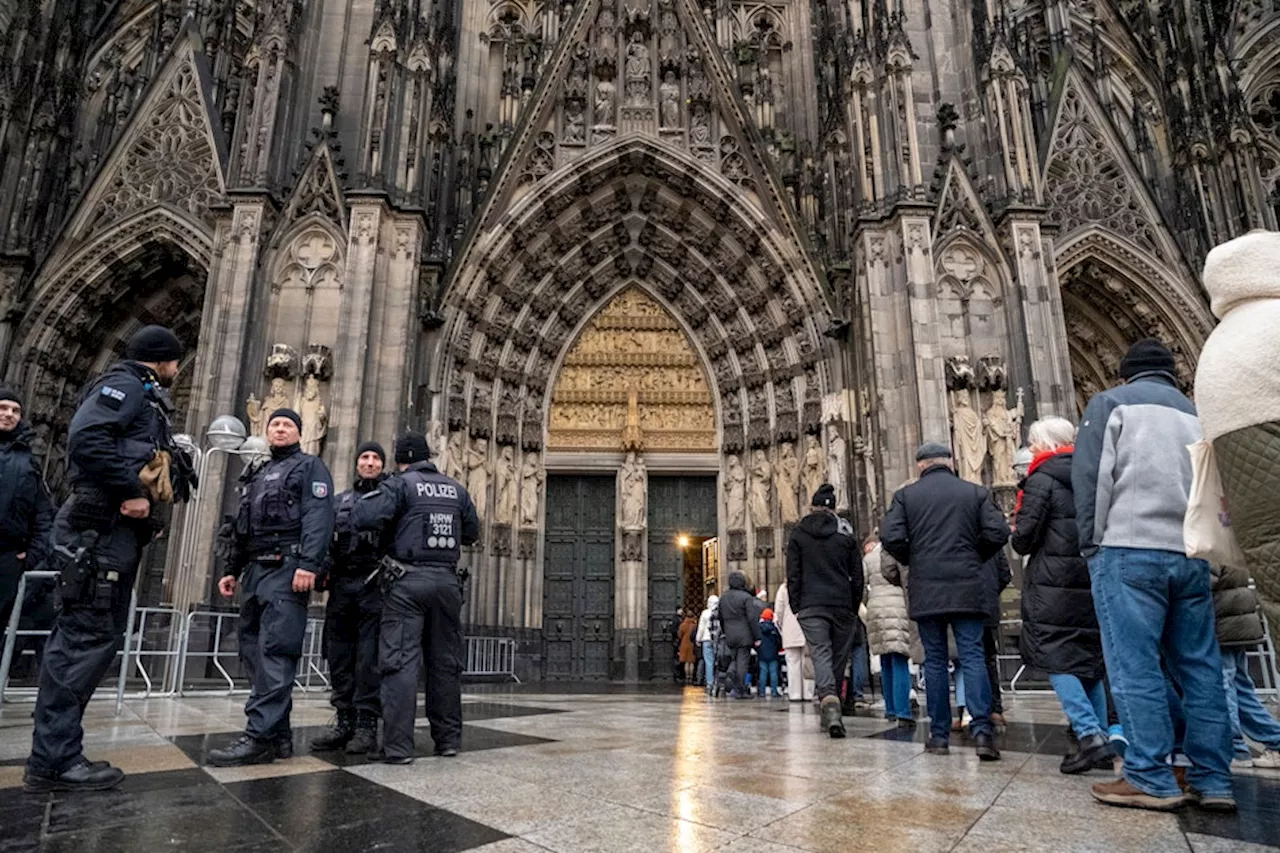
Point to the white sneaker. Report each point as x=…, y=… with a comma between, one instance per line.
x=1269, y=760
x=1241, y=763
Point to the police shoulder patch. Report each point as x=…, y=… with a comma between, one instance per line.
x=320, y=490
x=112, y=398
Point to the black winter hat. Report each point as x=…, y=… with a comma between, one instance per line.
x=375, y=447
x=1147, y=356
x=7, y=393
x=287, y=413
x=154, y=344
x=412, y=447
x=825, y=496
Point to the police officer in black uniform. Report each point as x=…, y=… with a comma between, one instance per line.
x=430, y=518
x=26, y=513
x=119, y=435
x=352, y=616
x=283, y=532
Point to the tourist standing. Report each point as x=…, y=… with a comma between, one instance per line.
x=687, y=656
x=706, y=638
x=795, y=653
x=740, y=623
x=889, y=636
x=768, y=651
x=1239, y=631
x=26, y=512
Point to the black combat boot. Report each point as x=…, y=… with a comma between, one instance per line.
x=284, y=745
x=366, y=734
x=830, y=721
x=84, y=775
x=245, y=751
x=1093, y=749
x=338, y=735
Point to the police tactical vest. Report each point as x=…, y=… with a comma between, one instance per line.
x=275, y=503
x=430, y=531
x=348, y=548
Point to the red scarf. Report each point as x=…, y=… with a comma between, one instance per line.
x=1040, y=459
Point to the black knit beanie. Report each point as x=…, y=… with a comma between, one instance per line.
x=372, y=446
x=412, y=447
x=825, y=496
x=287, y=413
x=154, y=344
x=7, y=393
x=1147, y=356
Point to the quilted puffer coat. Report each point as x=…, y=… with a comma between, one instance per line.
x=888, y=626
x=1238, y=395
x=1236, y=607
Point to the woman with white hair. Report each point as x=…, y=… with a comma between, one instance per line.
x=1059, y=626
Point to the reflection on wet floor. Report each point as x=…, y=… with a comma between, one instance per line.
x=616, y=771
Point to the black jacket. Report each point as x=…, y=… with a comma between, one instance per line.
x=824, y=564
x=945, y=529
x=122, y=420
x=26, y=512
x=308, y=527
x=1059, y=627
x=1236, y=607
x=739, y=616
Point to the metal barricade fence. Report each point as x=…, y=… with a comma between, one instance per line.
x=313, y=662
x=215, y=655
x=491, y=656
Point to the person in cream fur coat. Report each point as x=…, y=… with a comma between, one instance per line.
x=1238, y=395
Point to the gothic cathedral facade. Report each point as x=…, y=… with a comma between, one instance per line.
x=639, y=266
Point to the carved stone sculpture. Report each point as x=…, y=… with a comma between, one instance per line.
x=504, y=476
x=969, y=441
x=283, y=362
x=277, y=399
x=638, y=70
x=813, y=472
x=735, y=493
x=455, y=456
x=437, y=440
x=531, y=479
x=788, y=478
x=257, y=416
x=669, y=95
x=1004, y=434
x=477, y=465
x=634, y=484
x=315, y=417
x=761, y=501
x=604, y=104
x=836, y=465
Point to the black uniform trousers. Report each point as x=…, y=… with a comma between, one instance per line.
x=11, y=569
x=422, y=620
x=351, y=622
x=273, y=623
x=81, y=649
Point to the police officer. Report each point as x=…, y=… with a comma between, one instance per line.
x=352, y=616
x=26, y=513
x=283, y=530
x=430, y=517
x=118, y=446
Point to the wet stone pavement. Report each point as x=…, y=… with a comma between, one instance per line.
x=550, y=769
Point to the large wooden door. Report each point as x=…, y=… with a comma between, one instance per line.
x=577, y=611
x=677, y=506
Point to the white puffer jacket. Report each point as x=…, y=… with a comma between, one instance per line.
x=888, y=627
x=785, y=618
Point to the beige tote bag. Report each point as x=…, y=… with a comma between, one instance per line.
x=1206, y=530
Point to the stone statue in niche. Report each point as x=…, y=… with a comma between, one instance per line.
x=477, y=465
x=813, y=472
x=669, y=95
x=575, y=125
x=1004, y=434
x=257, y=417
x=700, y=126
x=788, y=477
x=639, y=71
x=437, y=440
x=735, y=493
x=634, y=485
x=455, y=456
x=531, y=479
x=761, y=490
x=604, y=104
x=969, y=440
x=315, y=417
x=836, y=465
x=504, y=477
x=277, y=399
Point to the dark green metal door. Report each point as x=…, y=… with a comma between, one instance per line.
x=577, y=585
x=677, y=506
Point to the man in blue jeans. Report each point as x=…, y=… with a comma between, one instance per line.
x=1131, y=476
x=947, y=530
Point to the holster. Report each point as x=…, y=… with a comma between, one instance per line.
x=390, y=570
x=77, y=569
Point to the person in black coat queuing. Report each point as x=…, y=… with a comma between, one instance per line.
x=284, y=527
x=947, y=531
x=740, y=627
x=118, y=445
x=1059, y=626
x=352, y=615
x=26, y=512
x=824, y=584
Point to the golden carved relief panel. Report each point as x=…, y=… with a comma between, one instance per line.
x=632, y=381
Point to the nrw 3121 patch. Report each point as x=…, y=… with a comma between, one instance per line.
x=320, y=490
x=111, y=397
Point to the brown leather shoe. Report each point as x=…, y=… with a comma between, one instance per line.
x=1121, y=793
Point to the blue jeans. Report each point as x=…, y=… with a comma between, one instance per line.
x=709, y=661
x=1248, y=716
x=1084, y=701
x=770, y=676
x=858, y=670
x=1154, y=607
x=973, y=662
x=895, y=679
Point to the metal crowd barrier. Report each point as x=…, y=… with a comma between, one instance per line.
x=313, y=652
x=218, y=617
x=491, y=656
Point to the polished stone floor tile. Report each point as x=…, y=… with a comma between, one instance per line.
x=632, y=832
x=299, y=765
x=1213, y=844
x=1102, y=832
x=728, y=810
x=824, y=828
x=1258, y=820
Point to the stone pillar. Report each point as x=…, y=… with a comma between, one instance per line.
x=631, y=583
x=392, y=333
x=1052, y=391
x=930, y=369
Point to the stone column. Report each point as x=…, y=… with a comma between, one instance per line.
x=1052, y=391
x=631, y=583
x=392, y=330
x=931, y=388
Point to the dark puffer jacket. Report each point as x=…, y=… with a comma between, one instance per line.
x=824, y=564
x=1059, y=626
x=1236, y=607
x=946, y=530
x=26, y=511
x=739, y=613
